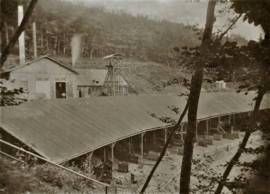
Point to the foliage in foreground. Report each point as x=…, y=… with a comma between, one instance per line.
x=46, y=178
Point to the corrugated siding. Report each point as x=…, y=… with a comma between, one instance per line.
x=62, y=129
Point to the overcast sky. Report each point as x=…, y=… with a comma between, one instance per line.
x=173, y=10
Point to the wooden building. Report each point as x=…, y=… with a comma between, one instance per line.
x=90, y=82
x=45, y=78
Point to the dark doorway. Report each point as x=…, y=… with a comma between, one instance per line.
x=60, y=88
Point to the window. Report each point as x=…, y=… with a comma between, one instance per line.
x=46, y=79
x=63, y=79
x=57, y=79
x=89, y=90
x=97, y=81
x=39, y=79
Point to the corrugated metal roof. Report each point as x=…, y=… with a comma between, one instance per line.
x=88, y=77
x=62, y=129
x=47, y=57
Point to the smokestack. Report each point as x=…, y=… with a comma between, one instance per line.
x=75, y=48
x=21, y=38
x=34, y=36
x=34, y=40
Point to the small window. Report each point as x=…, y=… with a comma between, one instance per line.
x=57, y=79
x=46, y=79
x=63, y=79
x=97, y=81
x=39, y=79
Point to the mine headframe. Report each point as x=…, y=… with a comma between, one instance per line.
x=114, y=83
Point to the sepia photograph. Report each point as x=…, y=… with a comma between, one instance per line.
x=135, y=97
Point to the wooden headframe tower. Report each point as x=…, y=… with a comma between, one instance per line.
x=113, y=84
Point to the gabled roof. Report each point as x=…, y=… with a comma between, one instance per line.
x=43, y=57
x=87, y=77
x=117, y=55
x=61, y=130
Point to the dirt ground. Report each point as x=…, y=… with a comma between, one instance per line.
x=167, y=175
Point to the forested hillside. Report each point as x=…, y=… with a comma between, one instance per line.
x=102, y=32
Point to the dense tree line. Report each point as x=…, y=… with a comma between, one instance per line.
x=103, y=33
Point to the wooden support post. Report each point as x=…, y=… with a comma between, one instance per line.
x=182, y=132
x=112, y=146
x=154, y=137
x=129, y=145
x=197, y=130
x=233, y=123
x=207, y=127
x=104, y=153
x=89, y=159
x=142, y=144
x=25, y=159
x=210, y=119
x=165, y=138
x=218, y=122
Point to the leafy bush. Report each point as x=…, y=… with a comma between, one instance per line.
x=46, y=178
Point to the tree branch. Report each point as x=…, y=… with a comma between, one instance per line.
x=236, y=19
x=164, y=148
x=243, y=144
x=17, y=34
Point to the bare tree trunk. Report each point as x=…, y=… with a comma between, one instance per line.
x=58, y=46
x=244, y=142
x=195, y=91
x=18, y=32
x=64, y=45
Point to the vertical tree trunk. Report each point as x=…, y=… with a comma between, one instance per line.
x=58, y=45
x=7, y=39
x=192, y=119
x=244, y=142
x=195, y=90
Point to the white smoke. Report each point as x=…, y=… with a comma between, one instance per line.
x=75, y=48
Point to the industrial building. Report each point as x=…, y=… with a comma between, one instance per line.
x=90, y=82
x=45, y=78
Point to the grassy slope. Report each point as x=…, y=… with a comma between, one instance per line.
x=144, y=77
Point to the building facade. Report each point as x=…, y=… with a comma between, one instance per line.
x=90, y=82
x=45, y=78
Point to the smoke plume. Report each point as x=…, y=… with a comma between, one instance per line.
x=75, y=48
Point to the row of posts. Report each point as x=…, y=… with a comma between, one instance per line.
x=166, y=136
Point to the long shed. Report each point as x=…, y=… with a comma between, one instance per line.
x=61, y=130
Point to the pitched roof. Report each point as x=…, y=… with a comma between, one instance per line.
x=61, y=130
x=116, y=55
x=43, y=57
x=87, y=77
